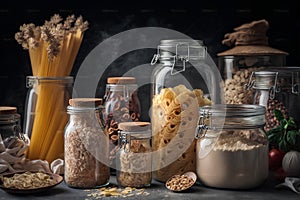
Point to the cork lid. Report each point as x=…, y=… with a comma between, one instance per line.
x=121, y=80
x=8, y=110
x=85, y=102
x=134, y=126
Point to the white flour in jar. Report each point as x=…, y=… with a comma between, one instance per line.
x=238, y=160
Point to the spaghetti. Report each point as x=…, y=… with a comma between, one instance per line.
x=53, y=48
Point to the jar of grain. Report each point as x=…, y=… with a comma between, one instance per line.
x=277, y=88
x=9, y=122
x=86, y=145
x=121, y=105
x=232, y=147
x=183, y=79
x=134, y=156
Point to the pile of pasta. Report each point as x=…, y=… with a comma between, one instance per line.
x=53, y=48
x=174, y=121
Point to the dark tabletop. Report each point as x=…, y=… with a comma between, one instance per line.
x=157, y=191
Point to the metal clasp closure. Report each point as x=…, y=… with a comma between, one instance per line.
x=250, y=82
x=202, y=128
x=295, y=83
x=274, y=88
x=124, y=140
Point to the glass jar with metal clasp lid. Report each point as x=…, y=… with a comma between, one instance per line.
x=232, y=147
x=277, y=88
x=184, y=78
x=134, y=155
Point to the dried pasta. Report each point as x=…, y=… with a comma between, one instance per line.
x=52, y=48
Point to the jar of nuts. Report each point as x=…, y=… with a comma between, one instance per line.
x=121, y=105
x=250, y=52
x=277, y=88
x=86, y=145
x=134, y=156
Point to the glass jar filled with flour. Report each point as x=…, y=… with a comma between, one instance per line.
x=232, y=147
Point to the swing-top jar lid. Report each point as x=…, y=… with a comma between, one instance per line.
x=181, y=49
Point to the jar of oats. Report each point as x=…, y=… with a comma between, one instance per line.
x=232, y=147
x=277, y=88
x=184, y=78
x=134, y=156
x=250, y=52
x=86, y=145
x=121, y=105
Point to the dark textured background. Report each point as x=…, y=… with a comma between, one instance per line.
x=206, y=20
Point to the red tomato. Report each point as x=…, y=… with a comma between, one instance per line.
x=275, y=158
x=279, y=174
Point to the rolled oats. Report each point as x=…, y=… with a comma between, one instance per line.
x=86, y=149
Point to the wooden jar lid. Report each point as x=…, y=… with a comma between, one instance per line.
x=121, y=80
x=134, y=126
x=85, y=102
x=8, y=110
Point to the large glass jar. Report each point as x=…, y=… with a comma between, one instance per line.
x=277, y=88
x=121, y=105
x=232, y=147
x=134, y=156
x=183, y=75
x=9, y=122
x=86, y=145
x=236, y=71
x=45, y=116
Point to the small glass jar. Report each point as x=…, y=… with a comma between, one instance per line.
x=9, y=122
x=86, y=145
x=232, y=147
x=121, y=105
x=277, y=88
x=236, y=71
x=182, y=79
x=134, y=156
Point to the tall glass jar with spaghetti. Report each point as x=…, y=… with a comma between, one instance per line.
x=46, y=117
x=86, y=145
x=121, y=105
x=184, y=74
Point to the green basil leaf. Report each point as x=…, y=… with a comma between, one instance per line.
x=278, y=114
x=291, y=137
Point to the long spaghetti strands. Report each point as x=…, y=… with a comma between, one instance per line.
x=53, y=48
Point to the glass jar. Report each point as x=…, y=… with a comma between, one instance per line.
x=184, y=74
x=277, y=88
x=236, y=71
x=86, y=146
x=9, y=122
x=232, y=146
x=134, y=156
x=121, y=105
x=45, y=116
